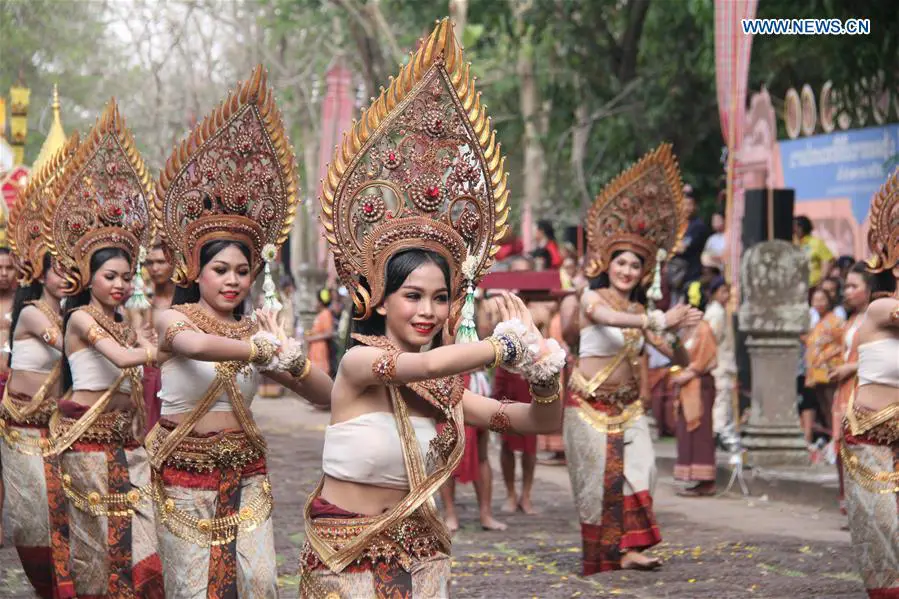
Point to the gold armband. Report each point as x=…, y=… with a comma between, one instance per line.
x=151, y=356
x=95, y=333
x=384, y=368
x=174, y=329
x=499, y=422
x=50, y=335
x=894, y=316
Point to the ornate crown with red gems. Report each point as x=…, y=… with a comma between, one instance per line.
x=883, y=234
x=641, y=210
x=100, y=201
x=420, y=169
x=234, y=177
x=28, y=216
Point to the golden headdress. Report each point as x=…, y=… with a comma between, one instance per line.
x=420, y=169
x=27, y=217
x=100, y=201
x=641, y=210
x=234, y=177
x=883, y=232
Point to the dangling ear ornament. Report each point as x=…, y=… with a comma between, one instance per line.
x=270, y=302
x=655, y=290
x=138, y=300
x=467, y=331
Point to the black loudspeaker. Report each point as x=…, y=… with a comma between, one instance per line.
x=755, y=217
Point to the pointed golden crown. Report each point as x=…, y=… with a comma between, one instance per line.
x=234, y=177
x=100, y=201
x=28, y=216
x=421, y=168
x=883, y=232
x=642, y=210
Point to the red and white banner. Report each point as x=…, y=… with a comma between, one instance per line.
x=732, y=53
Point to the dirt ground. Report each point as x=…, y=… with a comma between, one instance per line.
x=720, y=548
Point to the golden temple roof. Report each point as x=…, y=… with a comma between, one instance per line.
x=56, y=137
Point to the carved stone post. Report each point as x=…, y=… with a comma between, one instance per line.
x=774, y=314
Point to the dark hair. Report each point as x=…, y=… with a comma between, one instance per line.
x=547, y=228
x=861, y=269
x=804, y=224
x=191, y=293
x=25, y=294
x=838, y=294
x=638, y=293
x=541, y=254
x=398, y=269
x=831, y=302
x=846, y=262
x=716, y=284
x=883, y=284
x=83, y=298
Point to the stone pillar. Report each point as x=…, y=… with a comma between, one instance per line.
x=773, y=435
x=774, y=314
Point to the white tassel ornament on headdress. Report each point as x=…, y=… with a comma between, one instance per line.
x=655, y=290
x=467, y=331
x=138, y=300
x=270, y=296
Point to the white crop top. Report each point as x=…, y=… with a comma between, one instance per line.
x=602, y=341
x=185, y=381
x=32, y=355
x=878, y=363
x=92, y=371
x=367, y=449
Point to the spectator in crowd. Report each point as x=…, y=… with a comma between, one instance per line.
x=318, y=340
x=716, y=244
x=725, y=372
x=823, y=354
x=819, y=255
x=834, y=288
x=694, y=240
x=545, y=237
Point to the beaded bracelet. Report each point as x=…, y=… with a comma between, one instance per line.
x=300, y=373
x=509, y=349
x=262, y=352
x=499, y=422
x=543, y=399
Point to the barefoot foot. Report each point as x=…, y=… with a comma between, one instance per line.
x=491, y=523
x=452, y=523
x=528, y=508
x=633, y=560
x=510, y=505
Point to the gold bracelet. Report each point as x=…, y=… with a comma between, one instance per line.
x=265, y=351
x=547, y=399
x=303, y=373
x=254, y=353
x=95, y=333
x=151, y=359
x=497, y=352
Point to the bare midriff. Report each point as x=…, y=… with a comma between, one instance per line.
x=27, y=382
x=623, y=374
x=368, y=500
x=876, y=397
x=119, y=400
x=213, y=422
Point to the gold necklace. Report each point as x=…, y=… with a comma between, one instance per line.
x=615, y=302
x=120, y=331
x=51, y=314
x=214, y=325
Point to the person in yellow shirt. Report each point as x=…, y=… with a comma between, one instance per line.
x=819, y=255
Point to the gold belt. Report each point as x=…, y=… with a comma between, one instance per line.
x=109, y=427
x=39, y=417
x=876, y=482
x=207, y=532
x=225, y=450
x=98, y=504
x=24, y=444
x=406, y=541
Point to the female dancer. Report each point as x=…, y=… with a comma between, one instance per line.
x=213, y=497
x=106, y=536
x=30, y=472
x=870, y=446
x=413, y=206
x=633, y=221
x=857, y=296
